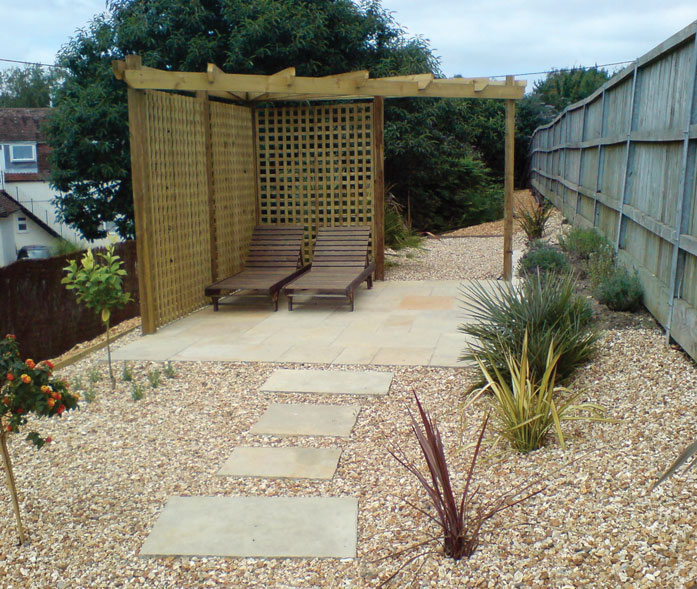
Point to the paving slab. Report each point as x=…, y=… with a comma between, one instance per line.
x=305, y=419
x=272, y=527
x=283, y=463
x=330, y=382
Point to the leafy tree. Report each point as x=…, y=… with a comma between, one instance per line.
x=99, y=286
x=29, y=87
x=564, y=87
x=89, y=135
x=26, y=388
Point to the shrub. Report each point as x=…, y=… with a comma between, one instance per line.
x=126, y=372
x=542, y=258
x=533, y=220
x=548, y=310
x=582, y=242
x=170, y=372
x=459, y=517
x=154, y=378
x=621, y=291
x=601, y=265
x=527, y=409
x=397, y=234
x=137, y=392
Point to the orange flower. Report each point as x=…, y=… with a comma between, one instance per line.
x=10, y=376
x=10, y=336
x=6, y=400
x=30, y=363
x=50, y=402
x=48, y=364
x=56, y=395
x=26, y=379
x=46, y=389
x=61, y=408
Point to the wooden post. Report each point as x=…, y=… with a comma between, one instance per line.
x=140, y=166
x=508, y=189
x=202, y=97
x=379, y=185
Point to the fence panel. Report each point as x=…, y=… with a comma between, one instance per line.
x=624, y=160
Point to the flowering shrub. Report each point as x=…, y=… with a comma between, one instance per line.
x=27, y=387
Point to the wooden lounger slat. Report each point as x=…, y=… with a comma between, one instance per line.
x=274, y=259
x=339, y=264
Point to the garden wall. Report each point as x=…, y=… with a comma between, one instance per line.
x=44, y=315
x=624, y=161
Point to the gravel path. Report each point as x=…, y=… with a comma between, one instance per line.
x=91, y=497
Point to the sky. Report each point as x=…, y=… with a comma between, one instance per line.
x=473, y=38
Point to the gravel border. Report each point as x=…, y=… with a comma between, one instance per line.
x=90, y=498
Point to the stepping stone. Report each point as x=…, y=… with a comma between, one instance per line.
x=332, y=382
x=286, y=463
x=277, y=527
x=285, y=419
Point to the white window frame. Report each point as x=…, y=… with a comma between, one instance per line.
x=23, y=220
x=22, y=160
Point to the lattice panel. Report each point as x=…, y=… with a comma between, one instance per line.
x=315, y=166
x=234, y=184
x=177, y=215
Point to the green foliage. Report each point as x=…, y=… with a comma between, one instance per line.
x=533, y=220
x=99, y=286
x=547, y=310
x=90, y=394
x=93, y=375
x=64, y=247
x=582, y=242
x=526, y=408
x=154, y=377
x=137, y=391
x=28, y=87
x=564, y=87
x=27, y=388
x=460, y=517
x=685, y=455
x=170, y=372
x=601, y=265
x=621, y=291
x=397, y=233
x=542, y=258
x=87, y=130
x=127, y=372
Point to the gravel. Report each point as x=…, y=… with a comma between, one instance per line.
x=90, y=498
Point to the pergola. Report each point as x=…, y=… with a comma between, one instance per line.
x=211, y=158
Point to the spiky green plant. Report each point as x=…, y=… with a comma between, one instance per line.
x=526, y=409
x=533, y=220
x=500, y=314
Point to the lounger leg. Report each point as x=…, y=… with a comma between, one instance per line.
x=274, y=298
x=290, y=302
x=215, y=303
x=350, y=296
x=370, y=281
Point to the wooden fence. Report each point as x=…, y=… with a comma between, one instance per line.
x=624, y=161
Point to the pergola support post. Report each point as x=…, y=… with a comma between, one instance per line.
x=379, y=185
x=508, y=189
x=202, y=97
x=140, y=164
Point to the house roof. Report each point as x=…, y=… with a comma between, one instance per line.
x=22, y=124
x=9, y=205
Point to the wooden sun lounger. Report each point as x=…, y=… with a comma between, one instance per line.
x=274, y=259
x=339, y=265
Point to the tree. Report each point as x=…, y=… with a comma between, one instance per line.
x=25, y=388
x=564, y=87
x=29, y=87
x=88, y=130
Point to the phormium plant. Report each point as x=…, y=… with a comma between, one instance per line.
x=527, y=409
x=533, y=220
x=460, y=516
x=25, y=388
x=99, y=286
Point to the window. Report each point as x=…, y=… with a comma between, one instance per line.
x=22, y=153
x=22, y=224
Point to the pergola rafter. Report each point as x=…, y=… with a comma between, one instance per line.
x=248, y=90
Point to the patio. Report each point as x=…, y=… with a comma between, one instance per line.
x=396, y=323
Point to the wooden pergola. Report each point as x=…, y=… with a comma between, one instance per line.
x=201, y=140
